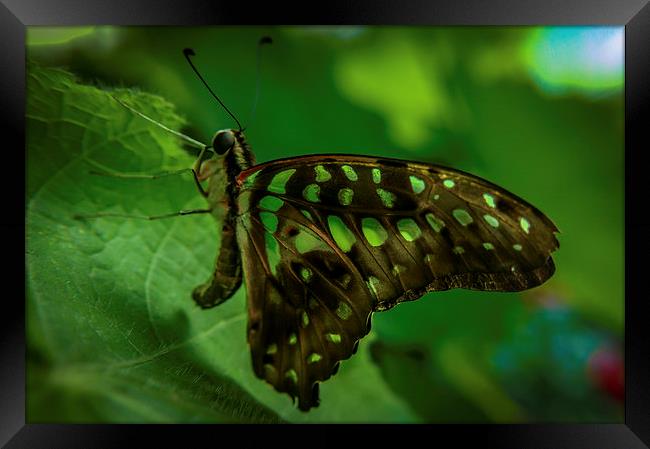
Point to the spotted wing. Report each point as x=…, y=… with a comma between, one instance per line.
x=307, y=308
x=326, y=240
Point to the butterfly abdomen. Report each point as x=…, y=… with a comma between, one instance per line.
x=227, y=276
x=221, y=172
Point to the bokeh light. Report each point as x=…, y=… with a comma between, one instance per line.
x=588, y=60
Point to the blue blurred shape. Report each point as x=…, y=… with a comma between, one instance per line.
x=588, y=60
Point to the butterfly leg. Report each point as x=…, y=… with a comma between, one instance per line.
x=156, y=176
x=143, y=217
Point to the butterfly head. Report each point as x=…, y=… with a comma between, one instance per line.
x=231, y=153
x=223, y=141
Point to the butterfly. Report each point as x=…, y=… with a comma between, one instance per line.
x=322, y=242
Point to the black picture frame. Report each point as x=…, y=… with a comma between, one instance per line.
x=15, y=15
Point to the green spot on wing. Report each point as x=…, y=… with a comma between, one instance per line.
x=272, y=252
x=334, y=338
x=376, y=175
x=293, y=339
x=525, y=225
x=345, y=280
x=345, y=196
x=306, y=274
x=311, y=193
x=269, y=221
x=322, y=175
x=306, y=241
x=409, y=229
x=488, y=246
x=387, y=198
x=489, y=200
x=249, y=181
x=373, y=284
x=342, y=235
x=517, y=247
x=271, y=203
x=491, y=220
x=417, y=184
x=314, y=357
x=373, y=231
x=448, y=183
x=462, y=216
x=292, y=375
x=343, y=311
x=435, y=223
x=279, y=181
x=349, y=173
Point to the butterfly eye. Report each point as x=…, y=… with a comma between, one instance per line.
x=223, y=141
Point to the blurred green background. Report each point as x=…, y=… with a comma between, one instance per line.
x=113, y=335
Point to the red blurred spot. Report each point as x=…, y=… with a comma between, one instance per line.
x=606, y=369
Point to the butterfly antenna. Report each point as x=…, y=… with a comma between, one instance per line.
x=188, y=139
x=263, y=40
x=189, y=52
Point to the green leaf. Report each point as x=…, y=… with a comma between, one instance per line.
x=112, y=332
x=412, y=106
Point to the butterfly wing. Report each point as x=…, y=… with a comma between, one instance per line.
x=307, y=305
x=327, y=240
